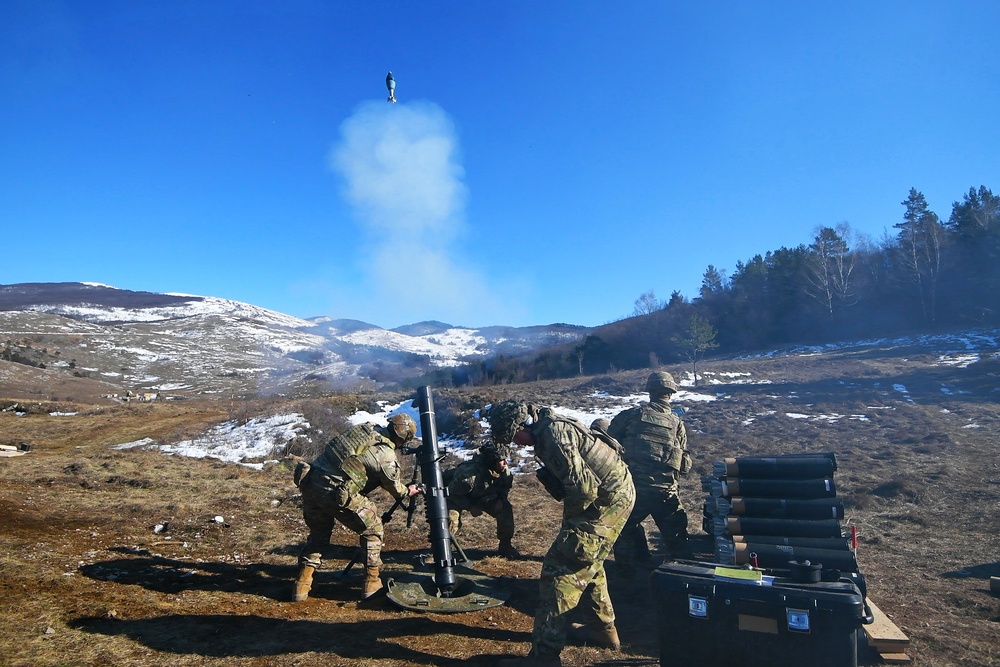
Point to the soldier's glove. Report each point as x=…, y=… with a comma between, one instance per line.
x=551, y=483
x=686, y=463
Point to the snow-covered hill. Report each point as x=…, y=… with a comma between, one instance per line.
x=184, y=343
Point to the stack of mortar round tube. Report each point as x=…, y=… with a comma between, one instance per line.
x=767, y=511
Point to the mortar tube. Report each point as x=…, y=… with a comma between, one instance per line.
x=435, y=495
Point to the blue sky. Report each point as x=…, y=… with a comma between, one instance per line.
x=546, y=161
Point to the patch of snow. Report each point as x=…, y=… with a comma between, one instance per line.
x=902, y=389
x=145, y=442
x=961, y=360
x=172, y=386
x=236, y=441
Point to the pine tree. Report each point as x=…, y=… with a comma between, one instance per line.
x=700, y=338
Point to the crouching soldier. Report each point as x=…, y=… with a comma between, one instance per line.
x=583, y=469
x=336, y=488
x=483, y=485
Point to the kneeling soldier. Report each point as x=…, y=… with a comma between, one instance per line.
x=483, y=485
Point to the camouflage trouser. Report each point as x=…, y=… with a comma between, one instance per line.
x=664, y=505
x=573, y=571
x=498, y=508
x=325, y=501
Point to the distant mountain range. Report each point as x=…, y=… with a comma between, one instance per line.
x=181, y=344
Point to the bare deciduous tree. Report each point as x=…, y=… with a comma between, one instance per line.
x=830, y=268
x=647, y=304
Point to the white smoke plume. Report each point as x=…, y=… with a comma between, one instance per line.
x=403, y=178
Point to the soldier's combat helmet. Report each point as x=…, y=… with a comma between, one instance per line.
x=661, y=382
x=403, y=426
x=505, y=418
x=600, y=424
x=492, y=453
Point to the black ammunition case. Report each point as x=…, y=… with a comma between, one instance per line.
x=708, y=618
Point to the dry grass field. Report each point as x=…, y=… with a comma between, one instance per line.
x=85, y=580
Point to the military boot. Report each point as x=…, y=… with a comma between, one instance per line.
x=605, y=636
x=371, y=545
x=641, y=546
x=304, y=583
x=508, y=551
x=373, y=582
x=533, y=659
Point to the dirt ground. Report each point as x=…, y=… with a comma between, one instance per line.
x=86, y=579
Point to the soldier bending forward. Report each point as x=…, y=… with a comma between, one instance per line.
x=336, y=488
x=584, y=470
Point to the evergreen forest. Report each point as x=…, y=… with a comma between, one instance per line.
x=928, y=274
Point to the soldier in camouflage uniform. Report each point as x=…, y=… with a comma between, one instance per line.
x=583, y=469
x=655, y=443
x=335, y=487
x=482, y=485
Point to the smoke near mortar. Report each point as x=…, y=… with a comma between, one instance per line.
x=403, y=176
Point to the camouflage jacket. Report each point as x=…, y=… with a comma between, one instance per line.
x=364, y=456
x=478, y=481
x=653, y=436
x=591, y=471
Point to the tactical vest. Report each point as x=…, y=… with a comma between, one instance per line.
x=599, y=451
x=342, y=456
x=654, y=436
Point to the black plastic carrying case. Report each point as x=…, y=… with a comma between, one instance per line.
x=724, y=616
